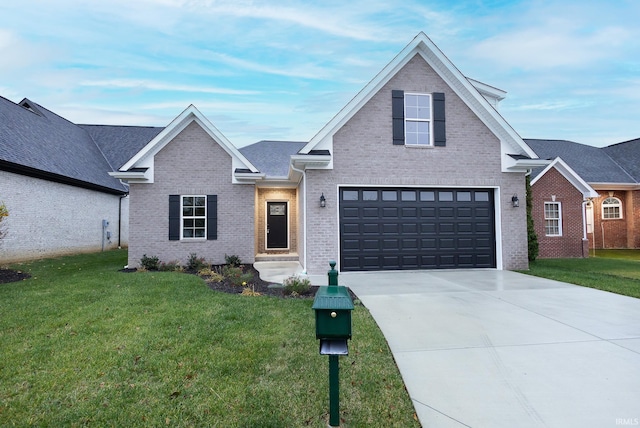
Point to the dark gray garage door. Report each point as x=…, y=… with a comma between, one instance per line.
x=408, y=228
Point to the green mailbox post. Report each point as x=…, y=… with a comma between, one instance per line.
x=333, y=306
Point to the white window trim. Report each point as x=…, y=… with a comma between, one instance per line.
x=182, y=218
x=407, y=119
x=619, y=205
x=559, y=219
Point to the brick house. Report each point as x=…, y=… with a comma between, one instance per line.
x=587, y=198
x=54, y=181
x=417, y=171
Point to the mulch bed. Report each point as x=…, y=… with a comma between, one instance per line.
x=256, y=284
x=9, y=275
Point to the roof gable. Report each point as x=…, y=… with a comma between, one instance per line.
x=571, y=176
x=144, y=158
x=463, y=87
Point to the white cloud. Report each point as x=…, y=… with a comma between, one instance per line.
x=163, y=86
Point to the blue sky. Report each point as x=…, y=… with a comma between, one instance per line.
x=282, y=69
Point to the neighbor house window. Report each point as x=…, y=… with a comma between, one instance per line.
x=417, y=116
x=552, y=219
x=194, y=217
x=611, y=208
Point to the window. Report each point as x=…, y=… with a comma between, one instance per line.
x=418, y=119
x=552, y=219
x=193, y=217
x=417, y=115
x=611, y=208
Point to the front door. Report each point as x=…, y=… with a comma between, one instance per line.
x=277, y=225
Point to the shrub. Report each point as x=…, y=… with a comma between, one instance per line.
x=196, y=263
x=4, y=213
x=149, y=263
x=232, y=260
x=235, y=275
x=296, y=285
x=173, y=266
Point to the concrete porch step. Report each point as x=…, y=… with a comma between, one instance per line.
x=288, y=257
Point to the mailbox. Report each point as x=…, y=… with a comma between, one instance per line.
x=333, y=306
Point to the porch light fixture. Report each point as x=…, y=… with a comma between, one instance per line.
x=515, y=202
x=323, y=200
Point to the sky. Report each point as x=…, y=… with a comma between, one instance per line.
x=281, y=69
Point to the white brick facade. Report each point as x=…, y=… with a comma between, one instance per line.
x=49, y=219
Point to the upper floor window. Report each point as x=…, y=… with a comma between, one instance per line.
x=611, y=208
x=194, y=217
x=552, y=219
x=417, y=115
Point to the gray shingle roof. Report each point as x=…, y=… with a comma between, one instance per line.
x=121, y=143
x=272, y=157
x=593, y=164
x=36, y=141
x=627, y=155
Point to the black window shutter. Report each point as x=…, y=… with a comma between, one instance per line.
x=212, y=217
x=397, y=117
x=439, y=129
x=174, y=217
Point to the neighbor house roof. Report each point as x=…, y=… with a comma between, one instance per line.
x=593, y=164
x=272, y=157
x=627, y=155
x=36, y=142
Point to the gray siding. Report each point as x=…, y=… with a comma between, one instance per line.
x=364, y=154
x=191, y=164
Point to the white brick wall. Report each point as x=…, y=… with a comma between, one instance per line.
x=50, y=219
x=364, y=155
x=192, y=164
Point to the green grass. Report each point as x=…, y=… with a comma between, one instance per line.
x=83, y=344
x=617, y=271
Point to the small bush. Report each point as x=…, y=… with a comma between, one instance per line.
x=150, y=263
x=235, y=275
x=196, y=263
x=173, y=266
x=214, y=277
x=232, y=260
x=296, y=285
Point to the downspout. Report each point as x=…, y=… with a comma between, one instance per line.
x=584, y=219
x=304, y=214
x=584, y=227
x=120, y=220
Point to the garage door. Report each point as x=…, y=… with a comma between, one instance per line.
x=408, y=228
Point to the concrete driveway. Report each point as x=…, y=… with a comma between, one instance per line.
x=489, y=348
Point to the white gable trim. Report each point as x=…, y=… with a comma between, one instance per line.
x=571, y=176
x=145, y=157
x=511, y=142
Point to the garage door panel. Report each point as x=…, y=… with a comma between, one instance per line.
x=416, y=228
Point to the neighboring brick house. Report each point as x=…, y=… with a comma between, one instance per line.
x=54, y=182
x=587, y=198
x=417, y=171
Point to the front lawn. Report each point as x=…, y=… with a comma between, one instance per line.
x=617, y=271
x=83, y=344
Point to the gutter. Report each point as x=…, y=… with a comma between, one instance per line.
x=304, y=214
